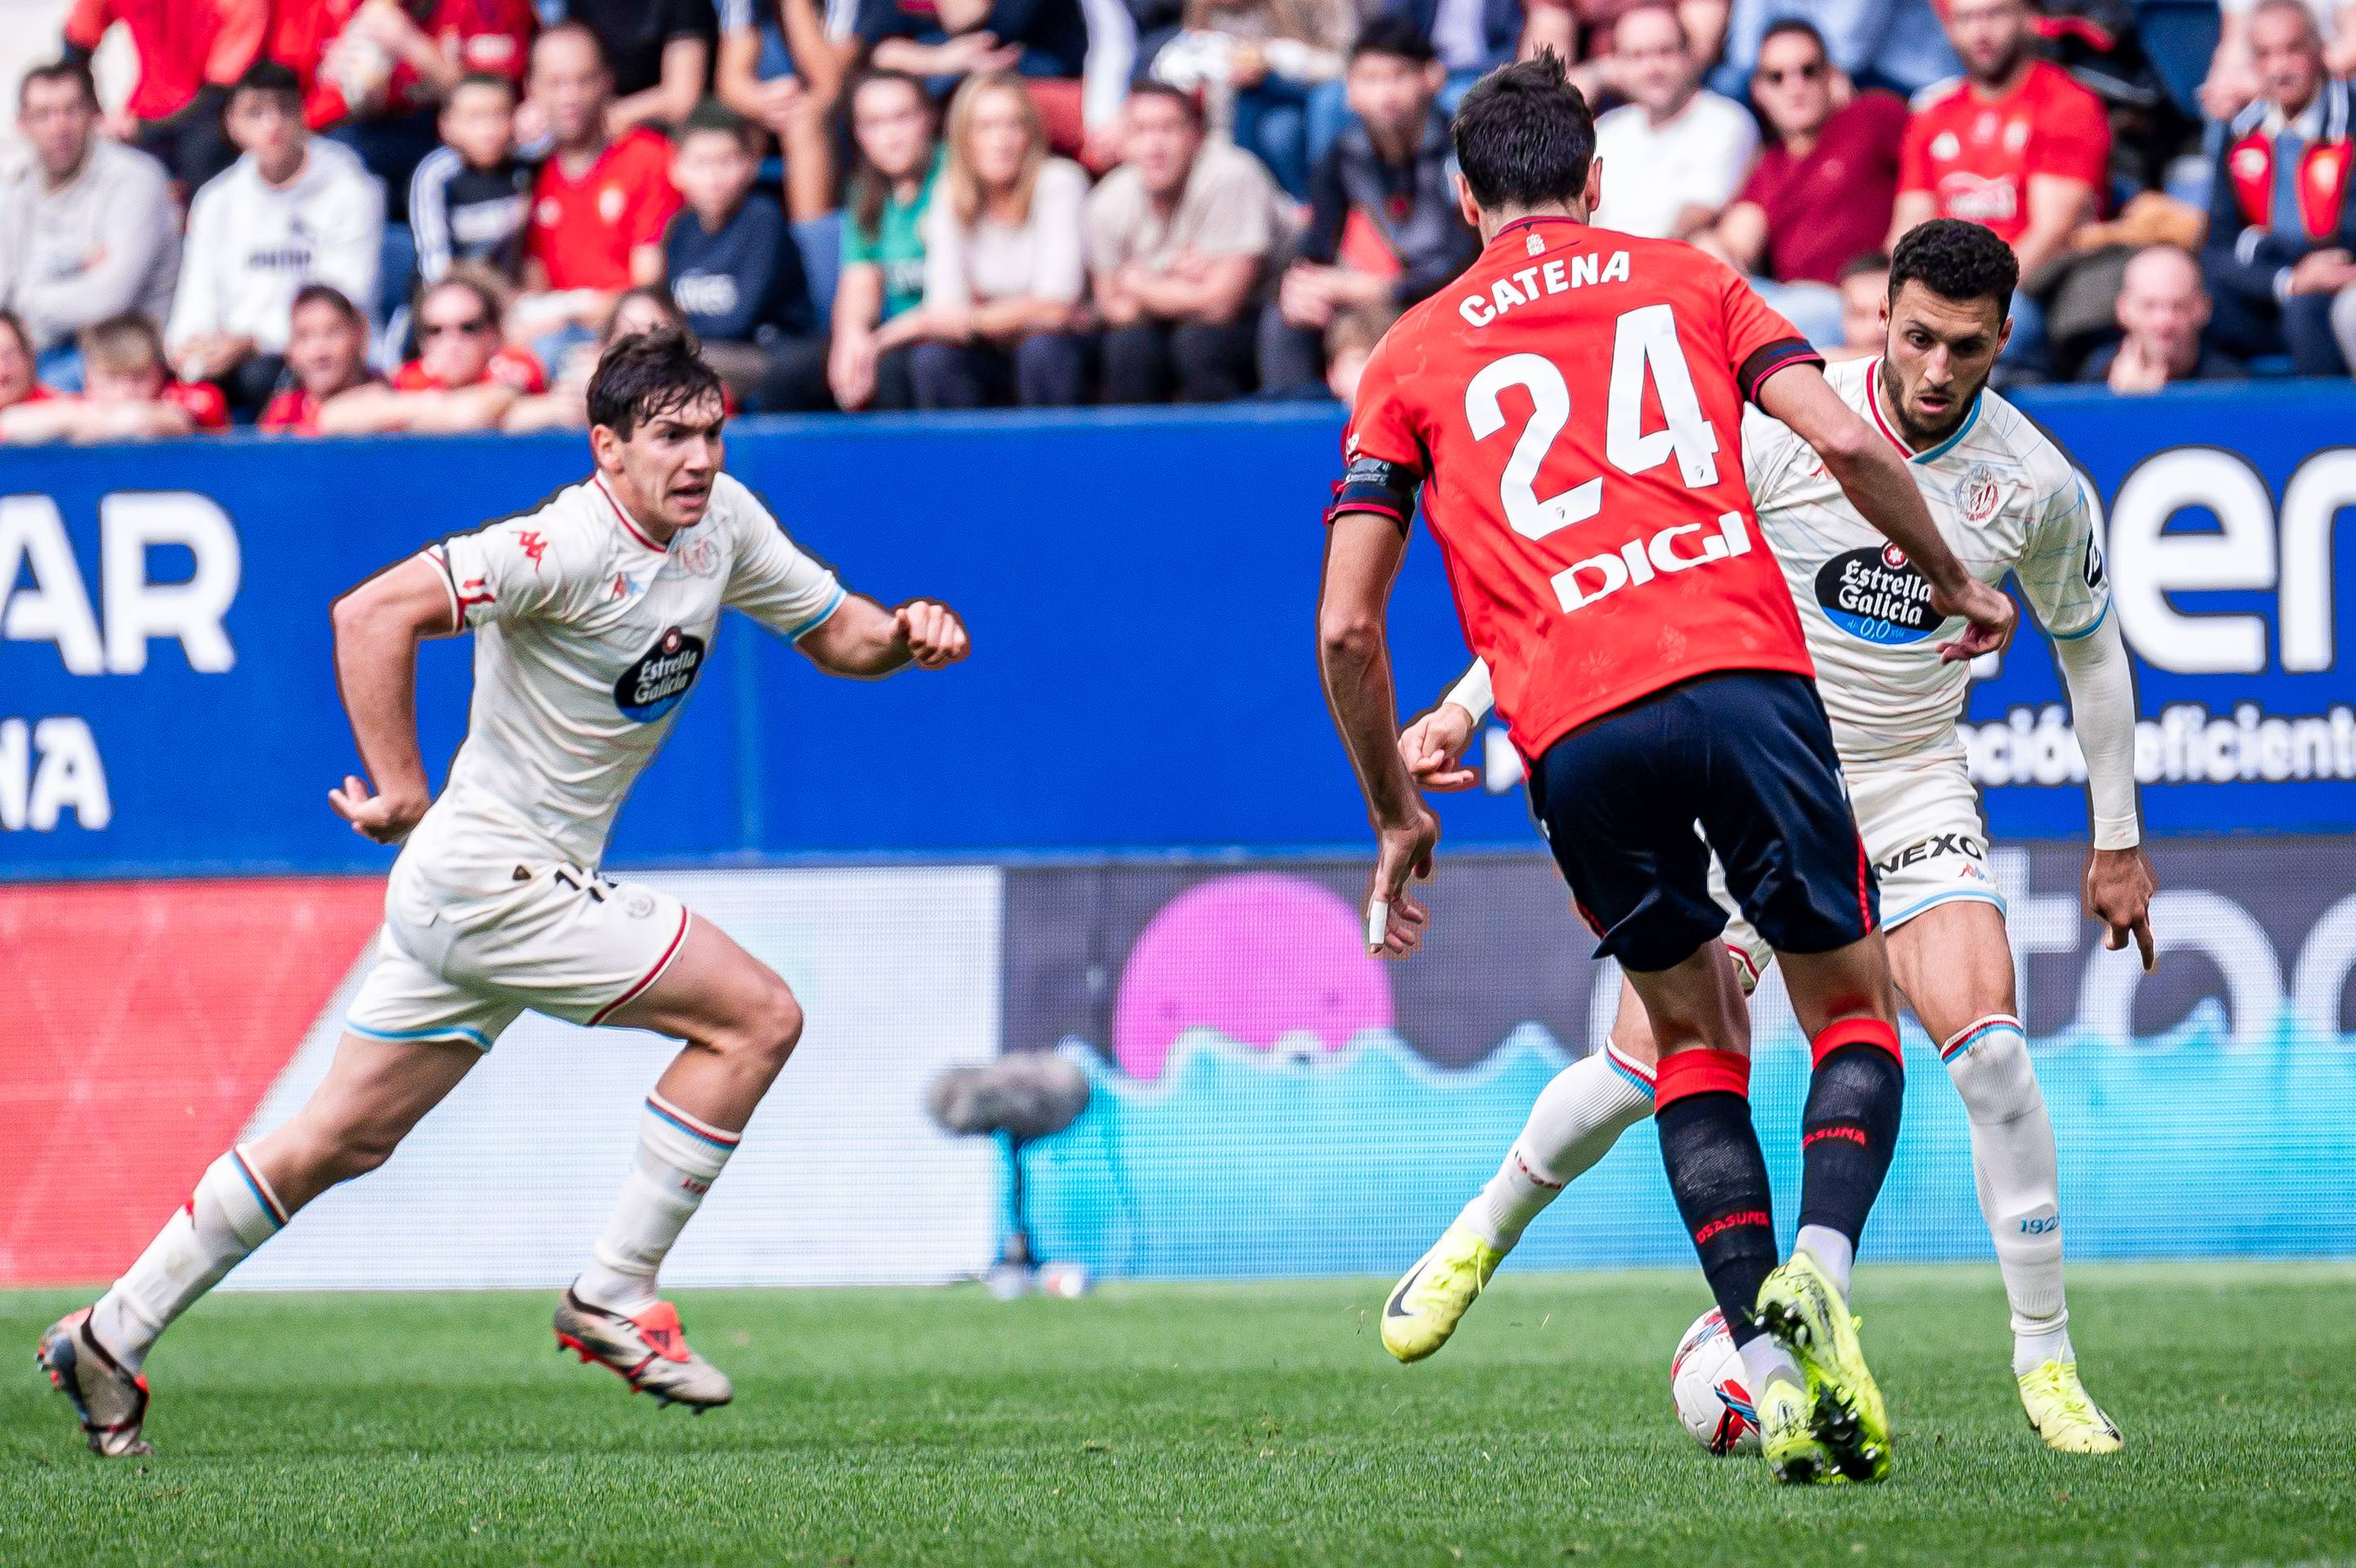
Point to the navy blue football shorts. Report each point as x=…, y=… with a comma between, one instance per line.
x=1749, y=755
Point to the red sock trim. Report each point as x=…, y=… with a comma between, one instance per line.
x=1687, y=1073
x=1855, y=1032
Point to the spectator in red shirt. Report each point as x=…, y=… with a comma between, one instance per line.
x=600, y=203
x=463, y=377
x=1821, y=194
x=191, y=53
x=2014, y=143
x=326, y=356
x=127, y=393
x=17, y=383
x=374, y=71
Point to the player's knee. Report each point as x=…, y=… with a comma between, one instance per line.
x=765, y=1036
x=1996, y=1077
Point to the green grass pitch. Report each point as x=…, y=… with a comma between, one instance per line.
x=1188, y=1423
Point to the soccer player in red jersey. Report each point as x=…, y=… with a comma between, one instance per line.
x=1567, y=413
x=2015, y=143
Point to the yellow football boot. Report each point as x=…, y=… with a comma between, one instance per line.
x=2063, y=1414
x=1429, y=1300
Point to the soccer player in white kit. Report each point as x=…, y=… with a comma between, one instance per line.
x=2010, y=503
x=591, y=615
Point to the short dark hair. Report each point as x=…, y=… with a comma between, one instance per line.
x=1525, y=136
x=717, y=118
x=1393, y=36
x=1795, y=25
x=331, y=296
x=647, y=375
x=1187, y=102
x=74, y=71
x=272, y=79
x=16, y=322
x=1862, y=266
x=1956, y=259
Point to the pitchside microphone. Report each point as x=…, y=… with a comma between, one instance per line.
x=1021, y=1096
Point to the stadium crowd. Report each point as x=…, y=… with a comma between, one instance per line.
x=342, y=216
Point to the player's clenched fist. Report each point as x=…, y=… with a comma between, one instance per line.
x=1432, y=746
x=934, y=635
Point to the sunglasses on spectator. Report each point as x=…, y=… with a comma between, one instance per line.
x=1808, y=73
x=470, y=326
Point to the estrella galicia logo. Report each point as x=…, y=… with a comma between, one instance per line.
x=658, y=681
x=1875, y=595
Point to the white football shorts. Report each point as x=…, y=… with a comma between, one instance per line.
x=1924, y=834
x=559, y=939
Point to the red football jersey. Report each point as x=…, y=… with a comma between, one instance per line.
x=583, y=231
x=1974, y=155
x=511, y=366
x=182, y=45
x=202, y=400
x=491, y=36
x=1571, y=406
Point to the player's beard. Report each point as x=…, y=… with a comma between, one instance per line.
x=1918, y=436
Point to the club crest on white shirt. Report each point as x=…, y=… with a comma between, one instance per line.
x=1980, y=494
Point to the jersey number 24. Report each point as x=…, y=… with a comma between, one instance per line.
x=1644, y=341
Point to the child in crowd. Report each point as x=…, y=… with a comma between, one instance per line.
x=128, y=394
x=472, y=195
x=896, y=131
x=326, y=356
x=736, y=271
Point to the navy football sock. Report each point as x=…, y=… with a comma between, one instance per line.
x=1718, y=1176
x=1849, y=1129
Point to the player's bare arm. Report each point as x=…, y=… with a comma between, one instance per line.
x=378, y=627
x=1874, y=476
x=865, y=641
x=1363, y=550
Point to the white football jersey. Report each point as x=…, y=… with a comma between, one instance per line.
x=587, y=638
x=2005, y=500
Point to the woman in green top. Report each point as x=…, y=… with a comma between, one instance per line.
x=897, y=132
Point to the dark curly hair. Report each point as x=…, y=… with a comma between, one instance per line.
x=647, y=375
x=1957, y=260
x=1525, y=136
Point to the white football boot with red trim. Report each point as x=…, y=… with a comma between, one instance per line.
x=648, y=1351
x=110, y=1401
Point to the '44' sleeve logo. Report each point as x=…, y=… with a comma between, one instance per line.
x=532, y=544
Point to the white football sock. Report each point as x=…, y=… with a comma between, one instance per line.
x=1833, y=1252
x=1763, y=1357
x=1576, y=1120
x=2014, y=1167
x=679, y=1156
x=233, y=1211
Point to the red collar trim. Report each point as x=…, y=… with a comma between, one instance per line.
x=1881, y=420
x=623, y=517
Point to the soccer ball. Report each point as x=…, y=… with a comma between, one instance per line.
x=1711, y=1390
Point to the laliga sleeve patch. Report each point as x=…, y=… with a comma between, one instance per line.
x=1376, y=484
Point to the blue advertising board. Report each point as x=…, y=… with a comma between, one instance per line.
x=1141, y=588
